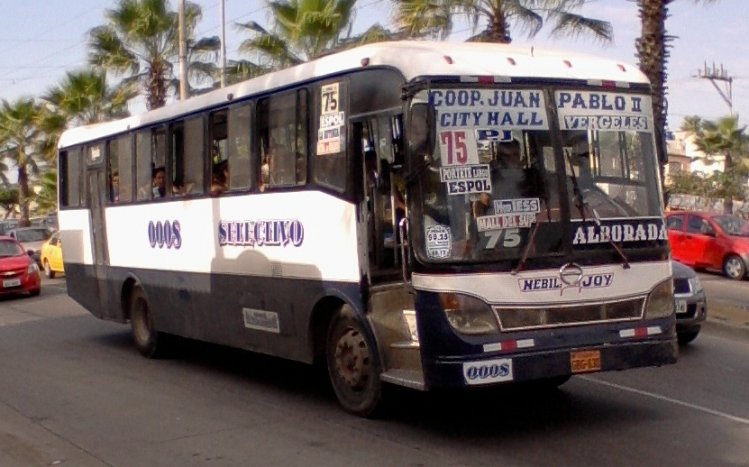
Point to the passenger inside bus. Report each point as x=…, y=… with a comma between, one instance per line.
x=220, y=178
x=114, y=186
x=508, y=176
x=159, y=182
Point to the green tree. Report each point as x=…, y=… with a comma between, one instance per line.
x=20, y=141
x=689, y=183
x=8, y=200
x=141, y=43
x=301, y=30
x=726, y=139
x=434, y=18
x=46, y=199
x=84, y=97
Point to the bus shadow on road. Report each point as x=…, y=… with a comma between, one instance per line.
x=509, y=411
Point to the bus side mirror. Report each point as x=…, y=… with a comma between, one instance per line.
x=421, y=128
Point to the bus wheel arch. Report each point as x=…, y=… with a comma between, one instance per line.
x=353, y=363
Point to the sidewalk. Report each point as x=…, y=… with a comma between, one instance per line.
x=728, y=312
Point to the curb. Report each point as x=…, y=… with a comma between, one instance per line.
x=730, y=313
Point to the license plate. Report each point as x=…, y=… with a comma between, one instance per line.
x=681, y=306
x=11, y=283
x=584, y=361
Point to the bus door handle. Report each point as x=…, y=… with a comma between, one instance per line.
x=403, y=231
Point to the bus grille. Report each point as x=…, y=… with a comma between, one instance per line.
x=518, y=318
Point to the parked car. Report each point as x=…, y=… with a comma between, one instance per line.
x=710, y=241
x=7, y=224
x=51, y=256
x=18, y=272
x=32, y=239
x=690, y=302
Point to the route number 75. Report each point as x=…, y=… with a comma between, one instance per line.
x=454, y=145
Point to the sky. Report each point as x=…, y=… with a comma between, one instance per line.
x=42, y=39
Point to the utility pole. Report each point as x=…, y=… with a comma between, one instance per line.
x=182, y=53
x=223, y=45
x=720, y=74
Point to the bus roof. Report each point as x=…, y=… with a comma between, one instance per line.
x=413, y=59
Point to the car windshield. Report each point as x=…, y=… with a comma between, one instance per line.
x=32, y=235
x=733, y=225
x=10, y=248
x=491, y=188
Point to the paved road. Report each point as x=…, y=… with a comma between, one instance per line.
x=73, y=391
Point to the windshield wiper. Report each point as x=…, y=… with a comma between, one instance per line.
x=581, y=206
x=532, y=238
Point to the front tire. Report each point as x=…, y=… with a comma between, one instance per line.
x=353, y=364
x=147, y=340
x=48, y=270
x=734, y=267
x=687, y=337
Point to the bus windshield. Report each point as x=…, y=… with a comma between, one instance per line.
x=490, y=190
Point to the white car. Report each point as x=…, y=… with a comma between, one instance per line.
x=32, y=239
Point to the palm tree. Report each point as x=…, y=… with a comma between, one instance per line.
x=435, y=18
x=46, y=199
x=20, y=138
x=140, y=42
x=83, y=97
x=652, y=51
x=724, y=137
x=302, y=30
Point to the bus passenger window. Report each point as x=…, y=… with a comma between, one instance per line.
x=282, y=125
x=238, y=147
x=219, y=159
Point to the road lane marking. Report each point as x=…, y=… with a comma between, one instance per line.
x=671, y=400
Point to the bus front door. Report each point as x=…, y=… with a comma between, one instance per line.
x=382, y=201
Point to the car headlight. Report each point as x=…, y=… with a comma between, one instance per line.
x=660, y=302
x=32, y=269
x=695, y=285
x=468, y=315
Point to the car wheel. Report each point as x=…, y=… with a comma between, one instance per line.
x=48, y=270
x=147, y=340
x=353, y=365
x=734, y=267
x=35, y=292
x=687, y=337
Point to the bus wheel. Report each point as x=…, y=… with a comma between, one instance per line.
x=141, y=320
x=353, y=365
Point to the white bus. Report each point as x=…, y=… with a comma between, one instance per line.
x=413, y=213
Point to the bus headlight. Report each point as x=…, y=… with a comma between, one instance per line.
x=660, y=301
x=468, y=315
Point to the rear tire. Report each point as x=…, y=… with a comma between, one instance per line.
x=147, y=340
x=734, y=267
x=353, y=365
x=48, y=270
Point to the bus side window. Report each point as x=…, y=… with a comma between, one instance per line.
x=143, y=168
x=238, y=147
x=120, y=169
x=219, y=161
x=187, y=157
x=283, y=133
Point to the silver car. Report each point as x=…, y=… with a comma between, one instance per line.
x=690, y=302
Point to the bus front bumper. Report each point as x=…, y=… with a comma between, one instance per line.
x=545, y=364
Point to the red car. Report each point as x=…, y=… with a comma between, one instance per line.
x=19, y=273
x=710, y=241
